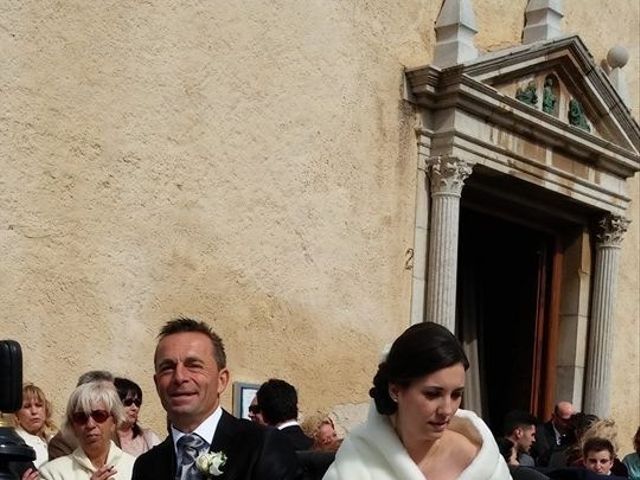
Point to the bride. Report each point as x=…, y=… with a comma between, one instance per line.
x=415, y=429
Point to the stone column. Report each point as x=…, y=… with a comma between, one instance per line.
x=447, y=175
x=598, y=380
x=421, y=233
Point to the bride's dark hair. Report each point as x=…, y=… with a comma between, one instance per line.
x=422, y=349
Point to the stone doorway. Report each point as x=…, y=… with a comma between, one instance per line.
x=504, y=288
x=523, y=274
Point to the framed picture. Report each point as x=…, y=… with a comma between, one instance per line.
x=243, y=394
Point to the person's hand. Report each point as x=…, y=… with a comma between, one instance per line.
x=30, y=474
x=105, y=472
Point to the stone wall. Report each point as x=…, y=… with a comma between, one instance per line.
x=247, y=163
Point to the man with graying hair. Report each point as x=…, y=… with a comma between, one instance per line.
x=61, y=444
x=204, y=440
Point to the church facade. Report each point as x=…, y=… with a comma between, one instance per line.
x=313, y=177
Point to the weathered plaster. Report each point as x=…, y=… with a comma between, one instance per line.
x=249, y=164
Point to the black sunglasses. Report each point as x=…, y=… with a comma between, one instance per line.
x=127, y=402
x=255, y=409
x=99, y=416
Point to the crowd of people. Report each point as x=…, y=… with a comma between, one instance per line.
x=415, y=428
x=563, y=447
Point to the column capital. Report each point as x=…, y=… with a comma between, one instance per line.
x=447, y=174
x=610, y=230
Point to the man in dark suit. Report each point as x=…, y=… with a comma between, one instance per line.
x=554, y=435
x=190, y=375
x=278, y=403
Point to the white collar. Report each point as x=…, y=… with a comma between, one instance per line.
x=557, y=434
x=206, y=430
x=288, y=423
x=80, y=457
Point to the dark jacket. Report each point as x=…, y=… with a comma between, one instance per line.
x=253, y=453
x=579, y=474
x=546, y=444
x=297, y=437
x=526, y=473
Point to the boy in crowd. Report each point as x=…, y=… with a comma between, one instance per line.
x=598, y=455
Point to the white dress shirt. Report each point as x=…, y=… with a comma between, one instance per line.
x=206, y=430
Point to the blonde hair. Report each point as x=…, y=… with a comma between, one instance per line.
x=605, y=428
x=85, y=398
x=33, y=392
x=311, y=424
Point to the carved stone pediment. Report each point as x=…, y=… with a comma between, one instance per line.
x=543, y=112
x=548, y=91
x=568, y=63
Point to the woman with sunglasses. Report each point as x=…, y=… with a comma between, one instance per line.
x=93, y=413
x=134, y=439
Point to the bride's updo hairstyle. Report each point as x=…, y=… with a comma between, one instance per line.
x=422, y=349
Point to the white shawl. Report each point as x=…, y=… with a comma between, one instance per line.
x=373, y=451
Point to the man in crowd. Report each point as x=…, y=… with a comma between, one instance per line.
x=278, y=402
x=255, y=415
x=520, y=428
x=554, y=435
x=190, y=376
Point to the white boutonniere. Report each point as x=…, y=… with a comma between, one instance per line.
x=211, y=463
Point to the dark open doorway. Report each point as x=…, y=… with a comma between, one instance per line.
x=505, y=302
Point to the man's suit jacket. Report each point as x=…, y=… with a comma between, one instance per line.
x=545, y=444
x=253, y=453
x=297, y=437
x=579, y=474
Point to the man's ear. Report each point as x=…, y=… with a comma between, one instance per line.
x=518, y=432
x=223, y=380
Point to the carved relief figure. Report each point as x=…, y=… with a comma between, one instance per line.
x=549, y=98
x=529, y=94
x=576, y=115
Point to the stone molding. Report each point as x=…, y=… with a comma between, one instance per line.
x=471, y=118
x=447, y=174
x=611, y=230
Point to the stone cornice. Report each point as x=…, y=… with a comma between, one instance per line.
x=452, y=88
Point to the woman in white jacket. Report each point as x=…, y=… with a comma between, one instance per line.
x=93, y=413
x=415, y=430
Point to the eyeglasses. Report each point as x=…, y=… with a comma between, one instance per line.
x=99, y=416
x=255, y=409
x=127, y=402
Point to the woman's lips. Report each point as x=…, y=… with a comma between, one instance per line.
x=439, y=426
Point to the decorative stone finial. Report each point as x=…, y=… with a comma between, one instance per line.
x=617, y=57
x=542, y=20
x=455, y=29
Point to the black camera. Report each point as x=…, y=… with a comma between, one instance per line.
x=14, y=453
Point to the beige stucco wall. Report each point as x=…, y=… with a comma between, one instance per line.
x=247, y=163
x=601, y=26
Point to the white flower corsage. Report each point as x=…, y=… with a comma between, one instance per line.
x=211, y=463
